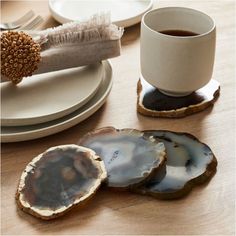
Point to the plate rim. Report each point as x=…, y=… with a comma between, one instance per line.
x=12, y=122
x=68, y=123
x=126, y=22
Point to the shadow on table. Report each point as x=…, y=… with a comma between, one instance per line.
x=99, y=209
x=49, y=23
x=131, y=35
x=109, y=210
x=194, y=124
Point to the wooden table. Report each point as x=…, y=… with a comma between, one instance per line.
x=208, y=209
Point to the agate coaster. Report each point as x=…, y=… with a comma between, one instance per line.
x=189, y=163
x=58, y=180
x=130, y=158
x=151, y=102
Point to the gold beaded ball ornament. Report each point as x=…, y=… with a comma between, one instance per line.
x=20, y=56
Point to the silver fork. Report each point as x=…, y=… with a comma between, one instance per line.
x=32, y=24
x=18, y=23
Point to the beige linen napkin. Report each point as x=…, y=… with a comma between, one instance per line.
x=77, y=43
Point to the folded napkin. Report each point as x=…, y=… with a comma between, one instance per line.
x=74, y=44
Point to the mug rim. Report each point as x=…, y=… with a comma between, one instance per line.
x=173, y=36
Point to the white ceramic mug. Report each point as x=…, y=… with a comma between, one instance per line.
x=177, y=65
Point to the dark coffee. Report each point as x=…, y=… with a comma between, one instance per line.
x=180, y=33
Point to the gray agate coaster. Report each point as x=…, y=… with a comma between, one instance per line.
x=130, y=158
x=151, y=102
x=189, y=163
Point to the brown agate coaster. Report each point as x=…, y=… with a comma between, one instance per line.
x=58, y=180
x=189, y=163
x=151, y=102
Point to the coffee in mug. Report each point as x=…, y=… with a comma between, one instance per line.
x=180, y=33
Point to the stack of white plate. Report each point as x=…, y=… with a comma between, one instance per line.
x=49, y=103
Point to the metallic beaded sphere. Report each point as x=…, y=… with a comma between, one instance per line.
x=20, y=55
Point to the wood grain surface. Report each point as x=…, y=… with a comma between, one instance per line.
x=207, y=210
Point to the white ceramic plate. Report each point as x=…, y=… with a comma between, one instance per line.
x=23, y=133
x=49, y=96
x=123, y=12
